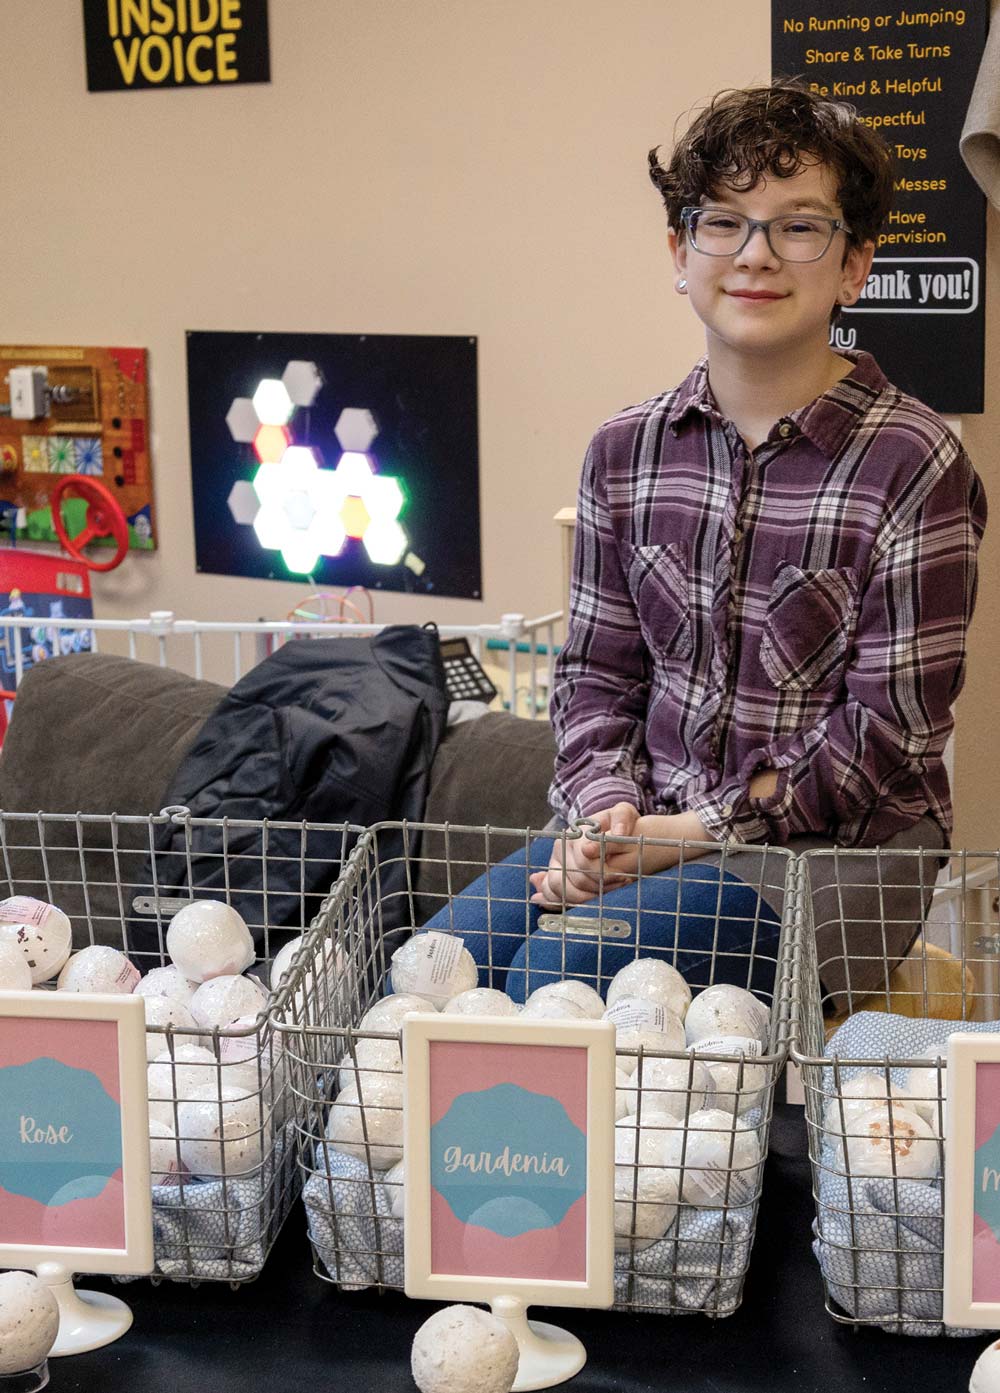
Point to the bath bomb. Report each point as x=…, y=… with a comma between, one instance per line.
x=986, y=1374
x=43, y=933
x=859, y=1095
x=372, y=1057
x=434, y=966
x=350, y=1122
x=221, y=1132
x=481, y=1001
x=29, y=1322
x=653, y=980
x=645, y=1205
x=552, y=1008
x=165, y=1165
x=224, y=999
x=167, y=981
x=737, y=1086
x=395, y=1182
x=624, y=1093
x=579, y=993
x=890, y=1140
x=282, y=963
x=388, y=1014
x=720, y=1157
x=209, y=939
x=164, y=1012
x=464, y=1350
x=259, y=1045
x=927, y=1088
x=99, y=969
x=643, y=1023
x=677, y=1087
x=15, y=974
x=178, y=1075
x=644, y=1143
x=727, y=1010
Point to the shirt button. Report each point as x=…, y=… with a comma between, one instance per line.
x=785, y=429
x=726, y=810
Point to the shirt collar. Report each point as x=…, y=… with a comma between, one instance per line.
x=827, y=421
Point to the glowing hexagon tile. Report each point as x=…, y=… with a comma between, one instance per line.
x=355, y=517
x=356, y=428
x=242, y=420
x=243, y=502
x=382, y=497
x=385, y=542
x=271, y=442
x=302, y=381
x=272, y=403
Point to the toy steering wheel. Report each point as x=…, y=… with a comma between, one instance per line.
x=104, y=519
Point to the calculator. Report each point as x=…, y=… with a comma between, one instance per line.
x=465, y=679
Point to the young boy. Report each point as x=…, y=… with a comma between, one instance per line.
x=775, y=561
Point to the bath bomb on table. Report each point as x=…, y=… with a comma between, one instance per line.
x=986, y=1374
x=645, y=1205
x=481, y=1001
x=209, y=939
x=164, y=1011
x=552, y=1008
x=653, y=980
x=99, y=969
x=890, y=1140
x=464, y=1350
x=165, y=1165
x=395, y=1183
x=579, y=993
x=167, y=981
x=43, y=933
x=221, y=1131
x=224, y=999
x=380, y=1117
x=643, y=1023
x=434, y=966
x=727, y=1010
x=677, y=1087
x=15, y=974
x=721, y=1158
x=29, y=1322
x=857, y=1096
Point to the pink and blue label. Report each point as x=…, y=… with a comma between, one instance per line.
x=508, y=1160
x=60, y=1134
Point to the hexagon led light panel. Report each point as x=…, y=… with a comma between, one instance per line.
x=299, y=509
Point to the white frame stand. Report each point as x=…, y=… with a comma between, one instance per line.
x=548, y=1354
x=87, y=1319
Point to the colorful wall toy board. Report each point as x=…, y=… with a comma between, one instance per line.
x=352, y=459
x=85, y=413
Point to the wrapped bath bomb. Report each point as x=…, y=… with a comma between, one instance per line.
x=163, y=1011
x=927, y=1088
x=283, y=961
x=624, y=1093
x=209, y=939
x=380, y=1117
x=174, y=1076
x=859, y=1095
x=721, y=1160
x=29, y=1322
x=654, y=980
x=388, y=1014
x=395, y=1182
x=986, y=1374
x=645, y=1205
x=434, y=966
x=43, y=933
x=15, y=974
x=167, y=981
x=643, y=1023
x=737, y=1086
x=552, y=1008
x=890, y=1140
x=677, y=1087
x=481, y=1001
x=579, y=993
x=165, y=1165
x=464, y=1350
x=99, y=969
x=370, y=1057
x=221, y=1132
x=727, y=1010
x=646, y=1143
x=222, y=1000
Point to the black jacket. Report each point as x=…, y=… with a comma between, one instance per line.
x=325, y=730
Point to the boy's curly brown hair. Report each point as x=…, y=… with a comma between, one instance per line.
x=745, y=134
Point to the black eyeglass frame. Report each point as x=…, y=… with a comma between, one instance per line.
x=835, y=225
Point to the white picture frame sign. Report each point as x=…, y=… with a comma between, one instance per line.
x=972, y=1183
x=74, y=1151
x=509, y=1187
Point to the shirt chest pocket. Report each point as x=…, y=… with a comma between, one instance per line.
x=658, y=582
x=809, y=627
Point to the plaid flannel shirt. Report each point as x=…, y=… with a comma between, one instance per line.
x=802, y=607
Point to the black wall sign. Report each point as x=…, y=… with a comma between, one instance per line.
x=910, y=71
x=175, y=43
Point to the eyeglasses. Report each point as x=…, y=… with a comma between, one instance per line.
x=794, y=237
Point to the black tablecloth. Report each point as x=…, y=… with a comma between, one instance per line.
x=291, y=1331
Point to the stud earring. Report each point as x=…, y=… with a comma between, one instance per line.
x=682, y=286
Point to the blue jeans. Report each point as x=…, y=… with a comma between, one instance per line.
x=711, y=925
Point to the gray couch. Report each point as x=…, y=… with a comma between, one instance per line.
x=101, y=735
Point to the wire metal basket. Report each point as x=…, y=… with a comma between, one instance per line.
x=686, y=1249
x=871, y=1012
x=222, y=1113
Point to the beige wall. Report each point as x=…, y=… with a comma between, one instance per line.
x=421, y=166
